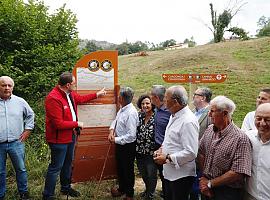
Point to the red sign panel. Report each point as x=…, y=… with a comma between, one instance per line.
x=194, y=78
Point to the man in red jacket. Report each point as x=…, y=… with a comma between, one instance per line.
x=61, y=125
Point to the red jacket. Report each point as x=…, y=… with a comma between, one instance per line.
x=59, y=123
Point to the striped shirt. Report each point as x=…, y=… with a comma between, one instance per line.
x=230, y=149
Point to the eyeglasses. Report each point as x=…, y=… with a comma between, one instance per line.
x=201, y=95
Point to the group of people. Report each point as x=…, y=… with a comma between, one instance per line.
x=198, y=154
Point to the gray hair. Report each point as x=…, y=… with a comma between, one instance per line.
x=2, y=78
x=224, y=104
x=127, y=94
x=179, y=93
x=207, y=93
x=159, y=91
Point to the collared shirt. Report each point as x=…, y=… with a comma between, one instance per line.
x=125, y=125
x=74, y=118
x=249, y=122
x=162, y=116
x=181, y=142
x=145, y=142
x=15, y=116
x=230, y=151
x=198, y=113
x=258, y=185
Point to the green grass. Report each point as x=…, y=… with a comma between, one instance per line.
x=247, y=65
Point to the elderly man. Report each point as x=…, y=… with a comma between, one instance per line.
x=16, y=123
x=224, y=154
x=249, y=120
x=123, y=134
x=62, y=126
x=201, y=99
x=162, y=116
x=180, y=146
x=258, y=185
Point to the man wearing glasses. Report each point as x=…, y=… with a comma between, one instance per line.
x=201, y=99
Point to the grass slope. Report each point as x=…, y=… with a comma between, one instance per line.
x=247, y=65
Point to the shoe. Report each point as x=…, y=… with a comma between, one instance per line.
x=48, y=198
x=24, y=196
x=128, y=198
x=142, y=194
x=161, y=194
x=116, y=193
x=71, y=192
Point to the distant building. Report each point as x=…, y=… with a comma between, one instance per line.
x=177, y=46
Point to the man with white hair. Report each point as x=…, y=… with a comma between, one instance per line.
x=224, y=154
x=258, y=185
x=180, y=146
x=16, y=123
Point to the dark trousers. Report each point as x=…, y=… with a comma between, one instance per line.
x=125, y=157
x=148, y=170
x=227, y=193
x=178, y=189
x=160, y=170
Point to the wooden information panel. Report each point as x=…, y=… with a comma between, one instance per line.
x=94, y=155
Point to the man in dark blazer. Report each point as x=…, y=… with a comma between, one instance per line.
x=201, y=99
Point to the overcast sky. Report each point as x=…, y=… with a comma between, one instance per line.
x=155, y=20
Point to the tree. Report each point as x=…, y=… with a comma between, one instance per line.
x=241, y=33
x=264, y=27
x=222, y=21
x=167, y=43
x=190, y=42
x=35, y=47
x=91, y=47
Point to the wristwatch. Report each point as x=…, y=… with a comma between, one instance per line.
x=209, y=185
x=168, y=158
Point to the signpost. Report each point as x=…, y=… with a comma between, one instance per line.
x=194, y=79
x=93, y=72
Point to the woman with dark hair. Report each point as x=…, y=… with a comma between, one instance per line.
x=145, y=145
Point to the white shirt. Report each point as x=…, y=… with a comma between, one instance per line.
x=249, y=122
x=181, y=142
x=71, y=108
x=258, y=185
x=125, y=124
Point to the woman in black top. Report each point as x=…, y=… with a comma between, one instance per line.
x=145, y=145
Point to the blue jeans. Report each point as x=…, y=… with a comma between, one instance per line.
x=148, y=170
x=16, y=152
x=61, y=162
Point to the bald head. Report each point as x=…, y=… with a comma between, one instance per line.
x=262, y=121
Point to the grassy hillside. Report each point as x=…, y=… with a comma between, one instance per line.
x=246, y=64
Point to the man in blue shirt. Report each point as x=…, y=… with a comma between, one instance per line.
x=16, y=123
x=162, y=116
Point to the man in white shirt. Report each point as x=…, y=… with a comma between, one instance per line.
x=123, y=134
x=249, y=120
x=258, y=185
x=180, y=146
